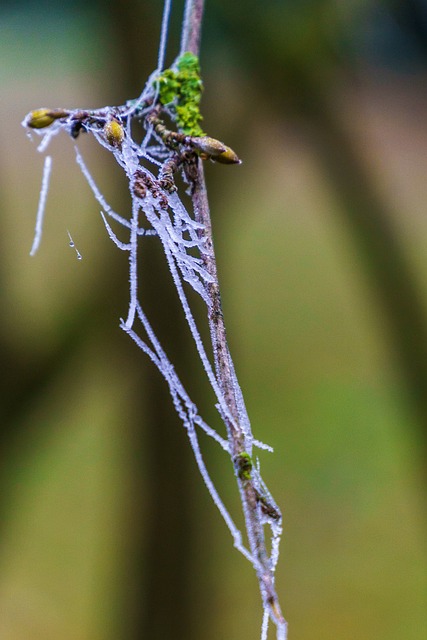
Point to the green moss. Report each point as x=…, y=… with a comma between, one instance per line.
x=243, y=463
x=180, y=88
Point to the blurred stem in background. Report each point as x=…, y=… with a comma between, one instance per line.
x=296, y=73
x=162, y=605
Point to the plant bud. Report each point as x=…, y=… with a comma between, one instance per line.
x=41, y=118
x=209, y=146
x=227, y=157
x=114, y=133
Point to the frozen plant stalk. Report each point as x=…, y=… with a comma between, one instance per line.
x=151, y=167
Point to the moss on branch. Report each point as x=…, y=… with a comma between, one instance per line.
x=180, y=89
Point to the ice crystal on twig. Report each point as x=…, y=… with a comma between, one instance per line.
x=151, y=167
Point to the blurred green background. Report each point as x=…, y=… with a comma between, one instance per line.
x=106, y=529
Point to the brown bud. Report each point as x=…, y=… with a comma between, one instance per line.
x=208, y=146
x=114, y=133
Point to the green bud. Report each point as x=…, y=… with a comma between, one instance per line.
x=227, y=157
x=41, y=118
x=114, y=133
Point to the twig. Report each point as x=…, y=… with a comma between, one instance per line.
x=155, y=196
x=223, y=363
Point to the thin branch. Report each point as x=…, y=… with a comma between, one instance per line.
x=192, y=27
x=157, y=198
x=223, y=363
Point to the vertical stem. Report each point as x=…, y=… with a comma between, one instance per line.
x=191, y=42
x=192, y=27
x=216, y=318
x=223, y=364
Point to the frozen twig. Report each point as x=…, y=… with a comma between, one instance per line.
x=174, y=94
x=240, y=448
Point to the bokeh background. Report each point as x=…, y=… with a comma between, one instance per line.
x=106, y=530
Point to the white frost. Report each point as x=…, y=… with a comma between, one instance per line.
x=38, y=231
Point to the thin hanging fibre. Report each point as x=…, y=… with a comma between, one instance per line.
x=38, y=231
x=185, y=21
x=164, y=34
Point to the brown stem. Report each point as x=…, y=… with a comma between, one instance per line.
x=192, y=26
x=224, y=372
x=223, y=363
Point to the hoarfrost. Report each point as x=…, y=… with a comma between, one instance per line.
x=157, y=210
x=38, y=231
